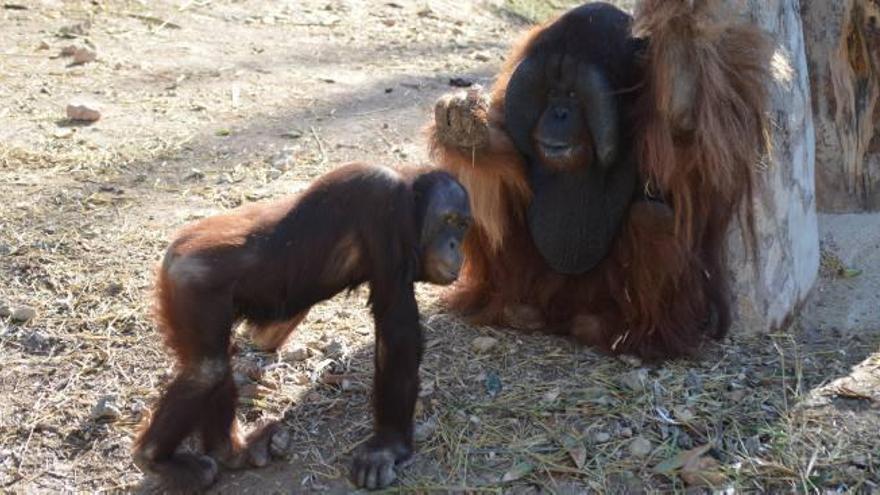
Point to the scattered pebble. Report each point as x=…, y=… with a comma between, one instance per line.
x=630, y=360
x=335, y=379
x=493, y=384
x=84, y=55
x=703, y=471
x=295, y=354
x=63, y=133
x=349, y=385
x=694, y=382
x=461, y=82
x=685, y=441
x=634, y=380
x=425, y=429
x=43, y=45
x=484, y=344
x=683, y=414
x=83, y=111
x=737, y=395
x=105, y=409
x=640, y=447
x=601, y=437
x=76, y=30
x=333, y=348
x=23, y=314
x=551, y=395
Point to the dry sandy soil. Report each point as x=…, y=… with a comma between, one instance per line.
x=208, y=104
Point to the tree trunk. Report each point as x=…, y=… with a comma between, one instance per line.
x=843, y=48
x=770, y=289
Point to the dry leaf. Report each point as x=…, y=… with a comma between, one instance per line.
x=703, y=471
x=678, y=461
x=551, y=395
x=517, y=471
x=576, y=450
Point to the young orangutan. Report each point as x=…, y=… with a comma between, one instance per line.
x=268, y=264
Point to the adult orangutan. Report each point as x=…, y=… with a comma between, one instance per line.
x=604, y=171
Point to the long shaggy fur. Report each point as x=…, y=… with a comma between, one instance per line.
x=700, y=131
x=704, y=160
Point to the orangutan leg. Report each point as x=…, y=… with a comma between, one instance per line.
x=523, y=317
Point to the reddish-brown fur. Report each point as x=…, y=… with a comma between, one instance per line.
x=664, y=281
x=268, y=264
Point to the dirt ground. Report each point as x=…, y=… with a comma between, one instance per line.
x=207, y=104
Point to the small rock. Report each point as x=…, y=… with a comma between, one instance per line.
x=83, y=55
x=83, y=111
x=484, y=344
x=634, y=380
x=76, y=30
x=68, y=50
x=295, y=354
x=334, y=348
x=493, y=384
x=460, y=82
x=63, y=133
x=601, y=437
x=694, y=382
x=685, y=441
x=349, y=385
x=23, y=314
x=626, y=432
x=481, y=57
x=737, y=395
x=640, y=447
x=551, y=395
x=43, y=46
x=105, y=409
x=683, y=414
x=703, y=471
x=860, y=460
x=425, y=429
x=292, y=134
x=427, y=12
x=630, y=360
x=340, y=380
x=754, y=445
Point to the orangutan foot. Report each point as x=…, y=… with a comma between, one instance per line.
x=523, y=317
